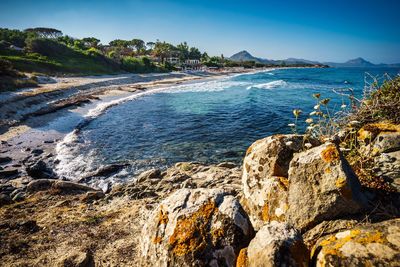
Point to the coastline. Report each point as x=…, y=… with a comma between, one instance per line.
x=36, y=136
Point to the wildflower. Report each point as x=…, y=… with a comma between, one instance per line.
x=325, y=101
x=309, y=128
x=316, y=106
x=289, y=143
x=308, y=145
x=309, y=120
x=297, y=112
x=313, y=113
x=317, y=96
x=343, y=106
x=291, y=125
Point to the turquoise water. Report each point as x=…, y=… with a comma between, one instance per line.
x=207, y=122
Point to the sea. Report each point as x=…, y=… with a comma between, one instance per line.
x=211, y=121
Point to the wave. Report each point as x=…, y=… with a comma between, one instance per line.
x=269, y=85
x=70, y=161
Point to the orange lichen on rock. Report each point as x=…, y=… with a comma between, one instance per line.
x=330, y=154
x=162, y=216
x=157, y=240
x=192, y=231
x=283, y=182
x=265, y=213
x=242, y=259
x=370, y=131
x=333, y=244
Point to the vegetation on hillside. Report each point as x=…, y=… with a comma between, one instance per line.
x=48, y=51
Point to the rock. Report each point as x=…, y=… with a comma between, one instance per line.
x=4, y=199
x=322, y=186
x=107, y=170
x=20, y=196
x=93, y=195
x=369, y=132
x=387, y=165
x=77, y=259
x=8, y=173
x=150, y=174
x=275, y=244
x=37, y=152
x=229, y=165
x=386, y=142
x=29, y=226
x=196, y=227
x=71, y=187
x=369, y=245
x=326, y=228
x=264, y=179
x=5, y=160
x=39, y=170
x=39, y=185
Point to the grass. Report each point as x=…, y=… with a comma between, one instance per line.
x=63, y=61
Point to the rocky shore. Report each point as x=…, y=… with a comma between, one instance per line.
x=288, y=205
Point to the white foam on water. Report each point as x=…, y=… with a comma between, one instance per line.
x=269, y=85
x=73, y=165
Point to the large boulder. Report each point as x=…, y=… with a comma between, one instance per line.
x=196, y=227
x=265, y=177
x=275, y=244
x=387, y=166
x=322, y=186
x=369, y=245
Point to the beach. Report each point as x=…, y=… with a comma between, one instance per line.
x=35, y=120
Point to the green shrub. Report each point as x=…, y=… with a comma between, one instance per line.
x=137, y=65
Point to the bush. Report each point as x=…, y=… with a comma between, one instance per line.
x=45, y=47
x=139, y=65
x=379, y=103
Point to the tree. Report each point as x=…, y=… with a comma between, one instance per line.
x=183, y=50
x=67, y=40
x=120, y=43
x=150, y=45
x=45, y=32
x=204, y=57
x=194, y=53
x=138, y=44
x=163, y=50
x=15, y=37
x=91, y=42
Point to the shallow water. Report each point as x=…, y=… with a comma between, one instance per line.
x=207, y=122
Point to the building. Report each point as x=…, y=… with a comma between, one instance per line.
x=192, y=64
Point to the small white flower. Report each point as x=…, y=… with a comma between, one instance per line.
x=289, y=143
x=316, y=107
x=313, y=113
x=344, y=149
x=309, y=120
x=343, y=106
x=291, y=125
x=310, y=128
x=308, y=145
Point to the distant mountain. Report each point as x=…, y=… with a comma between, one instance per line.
x=300, y=61
x=353, y=63
x=246, y=56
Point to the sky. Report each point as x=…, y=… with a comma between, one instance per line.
x=323, y=30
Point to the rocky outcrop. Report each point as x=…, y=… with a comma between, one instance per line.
x=156, y=184
x=370, y=245
x=196, y=227
x=275, y=244
x=322, y=186
x=265, y=177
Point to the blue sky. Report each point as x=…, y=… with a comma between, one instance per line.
x=335, y=30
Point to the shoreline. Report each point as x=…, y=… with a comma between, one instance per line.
x=36, y=138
